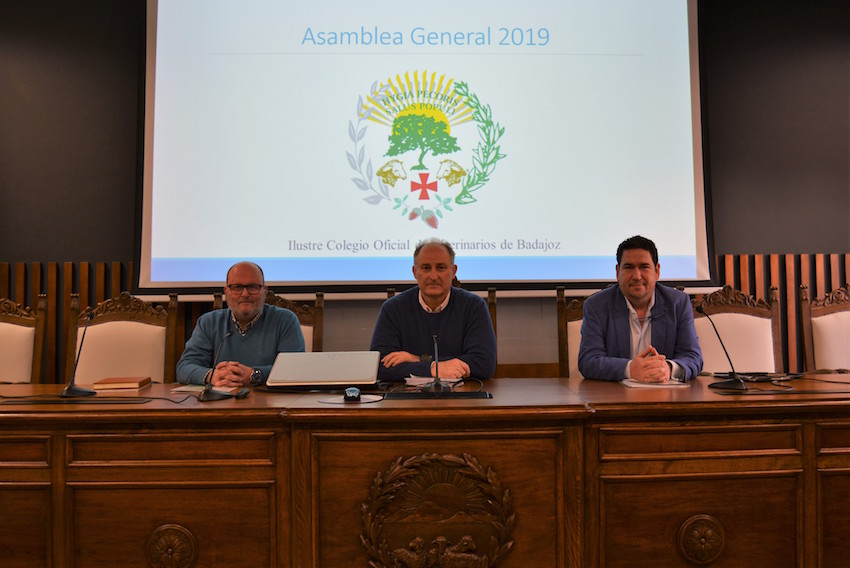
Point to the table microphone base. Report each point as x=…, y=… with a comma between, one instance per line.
x=730, y=384
x=209, y=395
x=74, y=390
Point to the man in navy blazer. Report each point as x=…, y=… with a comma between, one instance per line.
x=639, y=330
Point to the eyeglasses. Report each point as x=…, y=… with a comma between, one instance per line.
x=238, y=288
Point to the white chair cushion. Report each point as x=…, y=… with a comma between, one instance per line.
x=307, y=332
x=748, y=339
x=121, y=349
x=16, y=345
x=831, y=336
x=573, y=343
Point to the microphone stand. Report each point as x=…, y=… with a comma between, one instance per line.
x=208, y=394
x=437, y=386
x=436, y=389
x=72, y=389
x=735, y=381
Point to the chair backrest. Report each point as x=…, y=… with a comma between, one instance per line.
x=749, y=327
x=124, y=336
x=21, y=341
x=570, y=313
x=311, y=316
x=826, y=329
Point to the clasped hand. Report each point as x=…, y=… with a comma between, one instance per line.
x=650, y=367
x=231, y=374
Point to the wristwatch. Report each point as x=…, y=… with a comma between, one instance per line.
x=256, y=377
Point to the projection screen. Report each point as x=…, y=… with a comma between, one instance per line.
x=324, y=139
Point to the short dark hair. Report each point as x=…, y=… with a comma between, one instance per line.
x=637, y=242
x=434, y=241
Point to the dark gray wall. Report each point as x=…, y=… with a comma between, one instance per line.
x=777, y=100
x=777, y=103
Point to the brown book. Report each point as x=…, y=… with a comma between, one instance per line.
x=121, y=383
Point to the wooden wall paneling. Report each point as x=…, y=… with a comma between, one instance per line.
x=758, y=276
x=4, y=279
x=20, y=283
x=730, y=270
x=847, y=268
x=85, y=283
x=820, y=277
x=744, y=268
x=805, y=270
x=51, y=334
x=99, y=283
x=791, y=314
x=116, y=279
x=67, y=289
x=35, y=286
x=834, y=272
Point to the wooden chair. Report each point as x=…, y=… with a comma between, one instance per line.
x=570, y=313
x=21, y=341
x=125, y=336
x=311, y=316
x=750, y=329
x=826, y=330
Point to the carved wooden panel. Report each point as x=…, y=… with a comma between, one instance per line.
x=734, y=520
x=408, y=499
x=220, y=522
x=25, y=525
x=437, y=510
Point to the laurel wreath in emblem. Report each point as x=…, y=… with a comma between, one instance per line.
x=475, y=176
x=396, y=534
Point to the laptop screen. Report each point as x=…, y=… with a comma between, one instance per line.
x=325, y=368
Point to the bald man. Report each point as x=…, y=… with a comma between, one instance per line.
x=236, y=346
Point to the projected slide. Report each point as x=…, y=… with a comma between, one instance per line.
x=324, y=139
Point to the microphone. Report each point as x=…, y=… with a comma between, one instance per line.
x=437, y=385
x=735, y=381
x=208, y=394
x=72, y=389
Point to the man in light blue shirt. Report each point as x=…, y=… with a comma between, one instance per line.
x=236, y=346
x=639, y=330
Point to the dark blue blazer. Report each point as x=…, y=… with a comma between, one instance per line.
x=606, y=339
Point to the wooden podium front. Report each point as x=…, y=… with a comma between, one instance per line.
x=546, y=473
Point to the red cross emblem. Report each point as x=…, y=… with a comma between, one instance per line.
x=422, y=186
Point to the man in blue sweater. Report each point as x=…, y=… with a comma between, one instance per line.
x=409, y=322
x=236, y=346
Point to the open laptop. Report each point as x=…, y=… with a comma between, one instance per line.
x=323, y=369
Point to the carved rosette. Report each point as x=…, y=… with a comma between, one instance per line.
x=837, y=296
x=437, y=510
x=701, y=539
x=728, y=295
x=10, y=308
x=125, y=303
x=171, y=546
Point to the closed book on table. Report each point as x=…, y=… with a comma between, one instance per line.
x=121, y=383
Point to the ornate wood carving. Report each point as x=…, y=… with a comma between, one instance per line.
x=701, y=539
x=171, y=546
x=10, y=308
x=836, y=297
x=304, y=310
x=125, y=304
x=437, y=510
x=728, y=295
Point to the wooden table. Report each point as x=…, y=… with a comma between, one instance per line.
x=547, y=473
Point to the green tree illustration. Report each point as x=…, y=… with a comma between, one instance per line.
x=423, y=133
